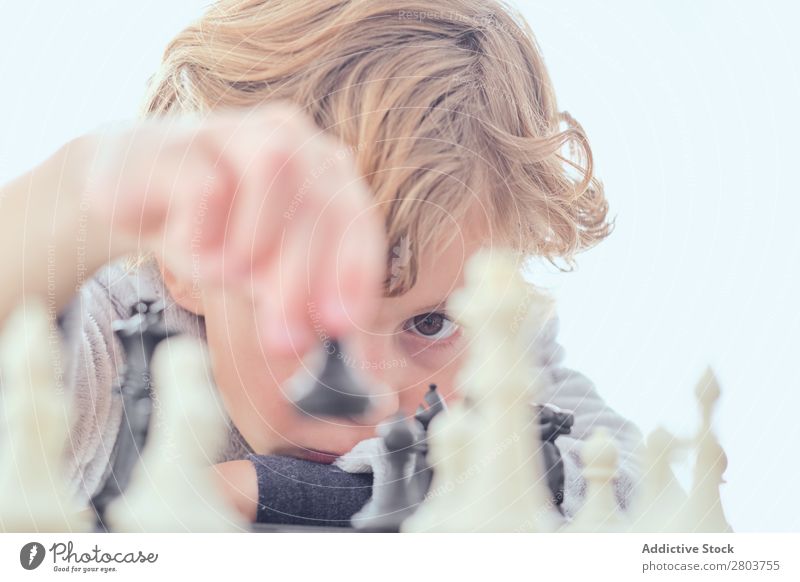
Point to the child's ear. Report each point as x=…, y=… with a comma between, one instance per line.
x=183, y=294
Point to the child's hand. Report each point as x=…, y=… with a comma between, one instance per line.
x=256, y=200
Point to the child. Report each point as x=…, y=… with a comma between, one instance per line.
x=334, y=165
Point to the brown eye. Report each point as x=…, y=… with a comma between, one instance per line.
x=432, y=325
x=429, y=324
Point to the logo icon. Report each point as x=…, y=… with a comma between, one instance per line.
x=31, y=555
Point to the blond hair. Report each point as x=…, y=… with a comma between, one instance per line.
x=447, y=107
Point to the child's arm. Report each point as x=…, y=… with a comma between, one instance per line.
x=284, y=490
x=49, y=242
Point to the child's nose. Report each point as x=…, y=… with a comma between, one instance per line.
x=371, y=356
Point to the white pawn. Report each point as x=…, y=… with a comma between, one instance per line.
x=172, y=489
x=450, y=454
x=599, y=512
x=35, y=429
x=660, y=504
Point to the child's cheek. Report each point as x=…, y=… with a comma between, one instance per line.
x=436, y=358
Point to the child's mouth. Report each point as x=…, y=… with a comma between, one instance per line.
x=315, y=456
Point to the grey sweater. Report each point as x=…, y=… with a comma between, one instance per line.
x=93, y=360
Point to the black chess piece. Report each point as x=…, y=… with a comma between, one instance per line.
x=389, y=508
x=422, y=473
x=140, y=334
x=435, y=406
x=337, y=390
x=553, y=422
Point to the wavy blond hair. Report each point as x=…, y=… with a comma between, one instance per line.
x=447, y=107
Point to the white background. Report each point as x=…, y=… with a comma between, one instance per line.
x=407, y=557
x=691, y=108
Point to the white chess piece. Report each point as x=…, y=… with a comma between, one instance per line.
x=599, y=512
x=704, y=511
x=501, y=312
x=451, y=452
x=35, y=429
x=707, y=393
x=172, y=488
x=660, y=504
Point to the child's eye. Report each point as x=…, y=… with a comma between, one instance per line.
x=433, y=326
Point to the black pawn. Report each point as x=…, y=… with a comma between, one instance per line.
x=393, y=505
x=435, y=406
x=422, y=473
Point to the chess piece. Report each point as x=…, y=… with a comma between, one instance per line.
x=419, y=480
x=704, y=511
x=502, y=314
x=172, y=489
x=335, y=391
x=435, y=404
x=35, y=429
x=553, y=422
x=421, y=471
x=660, y=504
x=599, y=512
x=487, y=450
x=140, y=334
x=391, y=501
x=447, y=505
x=707, y=393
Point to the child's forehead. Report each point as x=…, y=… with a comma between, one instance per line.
x=440, y=268
x=429, y=243
x=451, y=244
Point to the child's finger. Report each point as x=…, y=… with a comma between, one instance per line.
x=250, y=230
x=274, y=167
x=211, y=210
x=240, y=226
x=360, y=261
x=163, y=207
x=365, y=263
x=199, y=218
x=322, y=271
x=347, y=268
x=281, y=297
